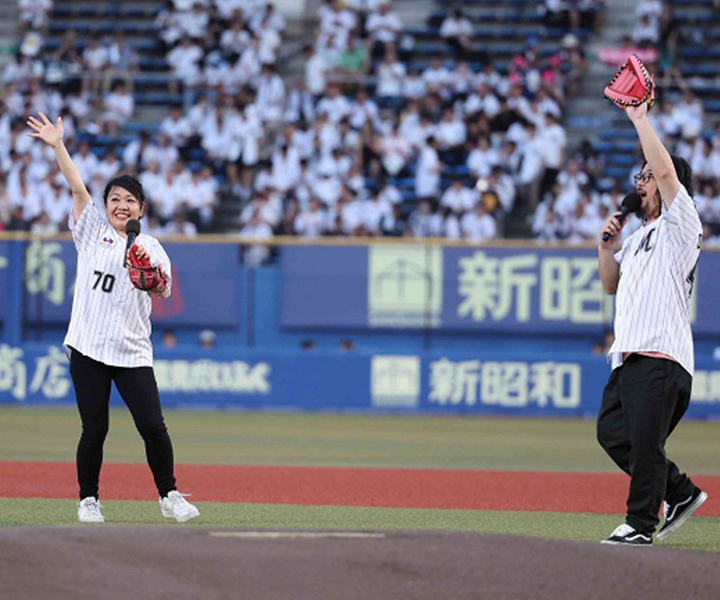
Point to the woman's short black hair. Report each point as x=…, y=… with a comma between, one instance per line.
x=127, y=182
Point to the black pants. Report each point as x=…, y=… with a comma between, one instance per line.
x=138, y=388
x=642, y=403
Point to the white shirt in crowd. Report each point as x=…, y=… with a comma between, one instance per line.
x=384, y=27
x=390, y=78
x=478, y=227
x=456, y=26
x=554, y=145
x=427, y=180
x=118, y=107
x=657, y=272
x=458, y=199
x=311, y=223
x=110, y=319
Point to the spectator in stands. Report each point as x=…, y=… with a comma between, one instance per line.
x=429, y=170
x=555, y=13
x=123, y=62
x=34, y=13
x=180, y=225
x=169, y=339
x=437, y=78
x=458, y=198
x=384, y=27
x=531, y=167
x=105, y=170
x=669, y=35
x=451, y=135
x=85, y=161
x=395, y=150
x=42, y=225
x=313, y=222
x=482, y=101
x=184, y=60
x=17, y=221
x=177, y=127
x=119, y=105
x=646, y=32
x=270, y=94
x=649, y=8
x=206, y=339
x=390, y=76
x=477, y=225
x=19, y=72
x=67, y=57
x=555, y=142
x=335, y=22
x=547, y=226
x=256, y=229
x=457, y=31
x=95, y=60
x=203, y=193
x=56, y=204
x=138, y=153
x=315, y=71
x=167, y=24
x=353, y=63
x=483, y=158
x=423, y=222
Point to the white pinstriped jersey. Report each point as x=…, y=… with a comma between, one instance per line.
x=657, y=273
x=110, y=320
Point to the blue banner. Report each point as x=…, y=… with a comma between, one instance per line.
x=205, y=292
x=503, y=290
x=330, y=280
x=487, y=382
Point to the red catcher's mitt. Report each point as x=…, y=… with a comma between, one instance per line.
x=143, y=275
x=632, y=85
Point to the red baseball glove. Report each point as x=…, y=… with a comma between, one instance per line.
x=632, y=85
x=143, y=275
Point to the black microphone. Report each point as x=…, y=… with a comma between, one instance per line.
x=132, y=228
x=630, y=204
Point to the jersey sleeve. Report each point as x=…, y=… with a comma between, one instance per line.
x=683, y=219
x=87, y=228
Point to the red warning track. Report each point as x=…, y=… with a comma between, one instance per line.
x=399, y=488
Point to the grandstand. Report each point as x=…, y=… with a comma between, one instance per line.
x=421, y=63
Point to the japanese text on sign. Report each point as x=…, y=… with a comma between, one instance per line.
x=505, y=384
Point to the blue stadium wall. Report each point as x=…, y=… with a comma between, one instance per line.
x=437, y=329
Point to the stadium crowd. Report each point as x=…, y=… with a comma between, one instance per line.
x=365, y=142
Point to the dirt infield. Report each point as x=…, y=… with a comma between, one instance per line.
x=598, y=493
x=120, y=563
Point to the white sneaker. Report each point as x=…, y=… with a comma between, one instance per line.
x=176, y=507
x=89, y=511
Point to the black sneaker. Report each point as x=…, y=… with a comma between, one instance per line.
x=625, y=535
x=677, y=514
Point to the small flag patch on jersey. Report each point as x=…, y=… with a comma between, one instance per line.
x=107, y=240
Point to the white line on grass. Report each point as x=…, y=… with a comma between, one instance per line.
x=293, y=535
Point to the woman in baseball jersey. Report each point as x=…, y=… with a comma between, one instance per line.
x=108, y=339
x=652, y=357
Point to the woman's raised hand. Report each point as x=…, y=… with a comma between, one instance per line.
x=43, y=129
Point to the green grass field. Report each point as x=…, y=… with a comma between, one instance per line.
x=352, y=440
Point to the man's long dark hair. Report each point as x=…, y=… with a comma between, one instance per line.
x=683, y=171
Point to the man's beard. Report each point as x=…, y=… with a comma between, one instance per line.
x=642, y=213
